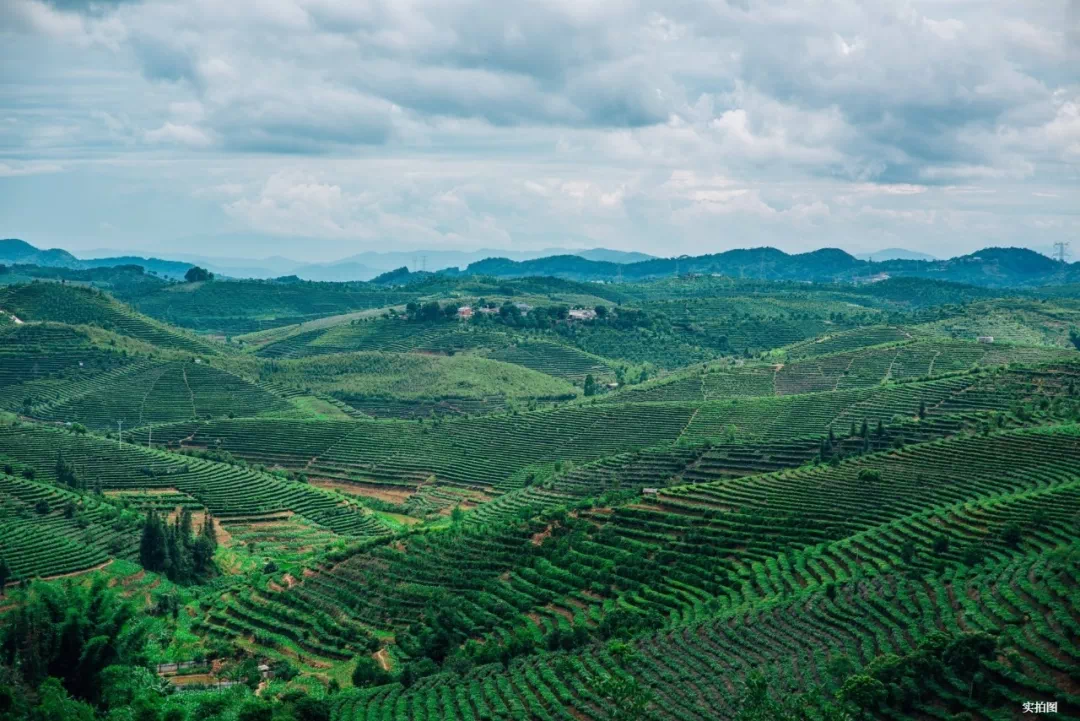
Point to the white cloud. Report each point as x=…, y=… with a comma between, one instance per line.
x=11, y=171
x=188, y=135
x=633, y=120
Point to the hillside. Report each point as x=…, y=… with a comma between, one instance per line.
x=663, y=499
x=63, y=303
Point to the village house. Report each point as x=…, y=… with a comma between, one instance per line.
x=582, y=313
x=464, y=312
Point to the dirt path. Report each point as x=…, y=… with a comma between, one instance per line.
x=689, y=423
x=888, y=371
x=191, y=393
x=930, y=370
x=383, y=657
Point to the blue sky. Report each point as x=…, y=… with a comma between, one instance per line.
x=321, y=128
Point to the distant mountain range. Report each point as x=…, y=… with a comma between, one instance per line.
x=14, y=251
x=990, y=267
x=894, y=254
x=362, y=266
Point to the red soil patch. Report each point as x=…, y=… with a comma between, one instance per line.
x=390, y=495
x=192, y=679
x=565, y=613
x=539, y=538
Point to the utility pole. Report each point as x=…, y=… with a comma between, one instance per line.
x=1061, y=250
x=423, y=263
x=150, y=437
x=119, y=433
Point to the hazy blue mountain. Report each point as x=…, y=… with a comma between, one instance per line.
x=173, y=269
x=894, y=254
x=367, y=265
x=614, y=256
x=990, y=267
x=13, y=250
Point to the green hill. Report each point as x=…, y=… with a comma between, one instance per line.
x=75, y=305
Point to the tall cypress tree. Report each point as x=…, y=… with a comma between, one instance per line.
x=153, y=546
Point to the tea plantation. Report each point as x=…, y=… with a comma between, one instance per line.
x=688, y=498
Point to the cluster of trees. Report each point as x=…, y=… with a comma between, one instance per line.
x=175, y=550
x=78, y=652
x=195, y=274
x=831, y=448
x=513, y=315
x=66, y=644
x=889, y=685
x=430, y=311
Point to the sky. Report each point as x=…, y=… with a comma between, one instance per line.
x=317, y=129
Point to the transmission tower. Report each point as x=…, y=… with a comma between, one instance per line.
x=1061, y=250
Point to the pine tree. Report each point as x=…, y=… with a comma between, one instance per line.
x=590, y=385
x=880, y=429
x=851, y=433
x=5, y=574
x=922, y=409
x=865, y=430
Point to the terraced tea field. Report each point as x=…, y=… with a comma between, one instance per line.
x=904, y=360
x=801, y=502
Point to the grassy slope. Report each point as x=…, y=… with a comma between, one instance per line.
x=414, y=376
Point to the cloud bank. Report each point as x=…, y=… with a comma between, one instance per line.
x=660, y=126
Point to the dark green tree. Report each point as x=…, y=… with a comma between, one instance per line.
x=195, y=274
x=368, y=672
x=154, y=544
x=590, y=385
x=72, y=632
x=65, y=472
x=5, y=574
x=863, y=692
